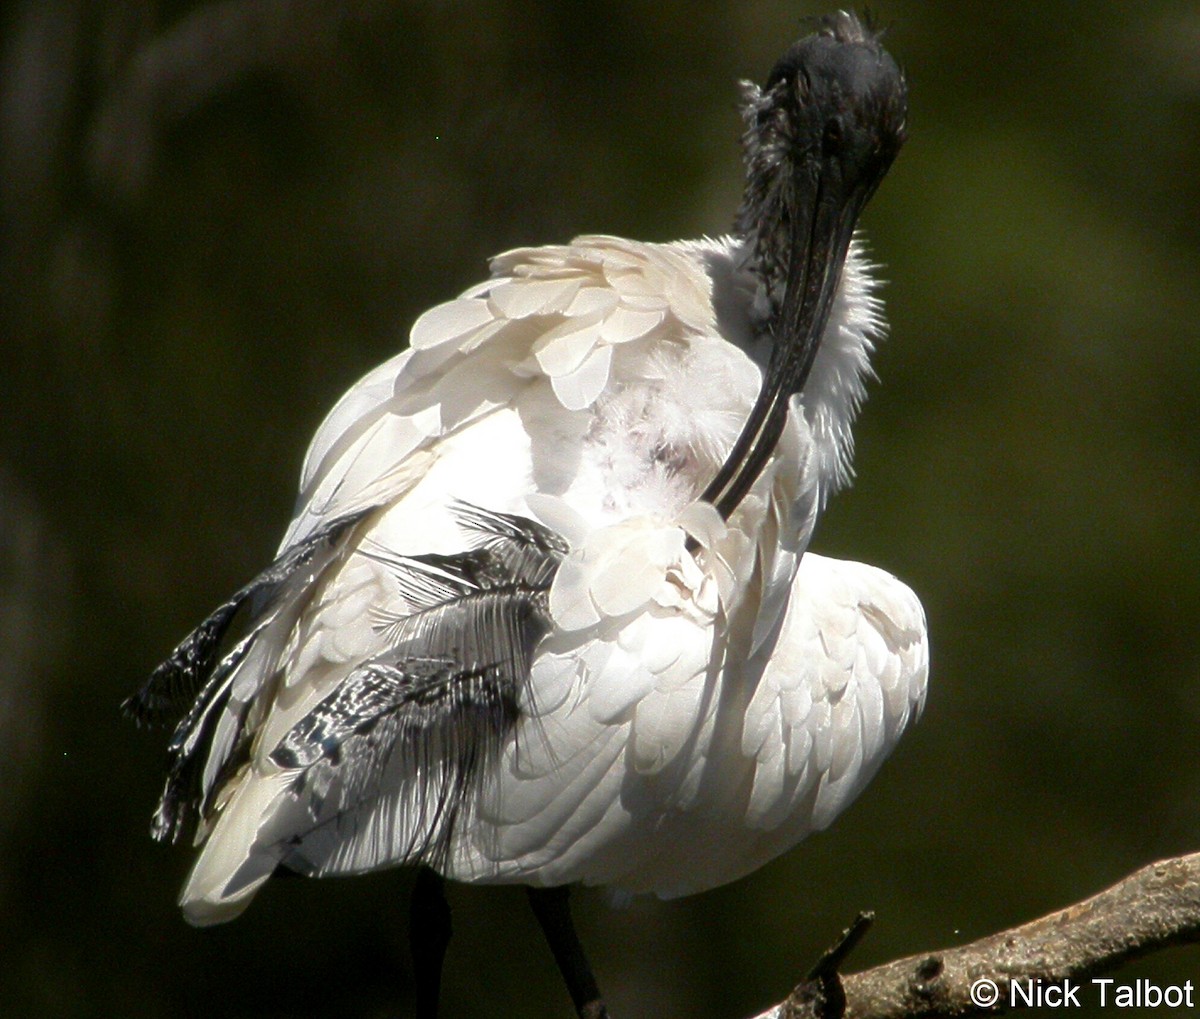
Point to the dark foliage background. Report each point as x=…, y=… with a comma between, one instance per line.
x=215, y=217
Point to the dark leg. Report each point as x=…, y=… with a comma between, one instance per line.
x=428, y=936
x=553, y=911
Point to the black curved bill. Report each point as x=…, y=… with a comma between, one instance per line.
x=824, y=133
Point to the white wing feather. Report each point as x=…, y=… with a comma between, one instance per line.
x=554, y=312
x=846, y=676
x=637, y=734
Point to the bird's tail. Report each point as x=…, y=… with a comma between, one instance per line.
x=238, y=856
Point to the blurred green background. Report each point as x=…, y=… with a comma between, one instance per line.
x=215, y=217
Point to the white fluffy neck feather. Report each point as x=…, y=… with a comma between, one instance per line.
x=836, y=385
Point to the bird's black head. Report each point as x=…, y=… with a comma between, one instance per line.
x=820, y=136
x=844, y=102
x=823, y=130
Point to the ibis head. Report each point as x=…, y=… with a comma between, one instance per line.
x=820, y=137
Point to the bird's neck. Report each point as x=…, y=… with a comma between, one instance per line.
x=836, y=386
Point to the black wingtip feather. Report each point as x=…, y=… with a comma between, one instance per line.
x=174, y=684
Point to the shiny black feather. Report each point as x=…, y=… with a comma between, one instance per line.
x=193, y=680
x=438, y=705
x=174, y=684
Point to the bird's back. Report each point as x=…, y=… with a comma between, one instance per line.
x=488, y=643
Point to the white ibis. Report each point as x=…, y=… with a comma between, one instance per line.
x=544, y=614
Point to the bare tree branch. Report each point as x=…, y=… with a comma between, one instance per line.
x=1152, y=909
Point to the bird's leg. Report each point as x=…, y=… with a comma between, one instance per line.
x=553, y=911
x=428, y=935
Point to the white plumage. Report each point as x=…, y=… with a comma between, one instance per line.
x=545, y=613
x=689, y=717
